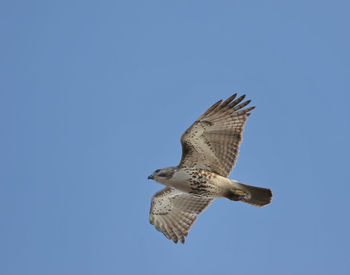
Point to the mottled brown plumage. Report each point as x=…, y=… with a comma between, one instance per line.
x=212, y=142
x=209, y=151
x=173, y=212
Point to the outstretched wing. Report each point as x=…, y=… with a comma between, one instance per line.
x=173, y=212
x=212, y=142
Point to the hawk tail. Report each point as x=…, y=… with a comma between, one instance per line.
x=256, y=196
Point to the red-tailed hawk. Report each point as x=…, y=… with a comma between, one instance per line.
x=209, y=152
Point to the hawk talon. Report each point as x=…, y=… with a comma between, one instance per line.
x=236, y=194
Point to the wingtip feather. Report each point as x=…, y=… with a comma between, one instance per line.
x=237, y=101
x=211, y=108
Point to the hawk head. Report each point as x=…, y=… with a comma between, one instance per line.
x=162, y=174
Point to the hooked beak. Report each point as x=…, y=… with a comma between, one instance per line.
x=150, y=177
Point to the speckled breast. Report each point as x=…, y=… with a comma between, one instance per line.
x=199, y=182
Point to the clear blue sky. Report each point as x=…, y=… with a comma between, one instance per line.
x=95, y=96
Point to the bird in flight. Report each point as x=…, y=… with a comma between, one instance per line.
x=209, y=151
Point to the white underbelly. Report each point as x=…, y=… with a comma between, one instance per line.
x=181, y=180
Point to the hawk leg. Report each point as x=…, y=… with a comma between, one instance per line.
x=235, y=194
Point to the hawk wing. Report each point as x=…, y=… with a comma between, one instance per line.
x=212, y=142
x=173, y=212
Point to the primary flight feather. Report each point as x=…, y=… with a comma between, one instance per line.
x=209, y=151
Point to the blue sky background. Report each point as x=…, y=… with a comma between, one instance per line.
x=95, y=96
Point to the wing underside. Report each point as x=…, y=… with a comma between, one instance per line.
x=212, y=142
x=174, y=212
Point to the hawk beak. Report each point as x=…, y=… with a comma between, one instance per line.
x=150, y=177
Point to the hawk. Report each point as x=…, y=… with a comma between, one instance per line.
x=209, y=151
